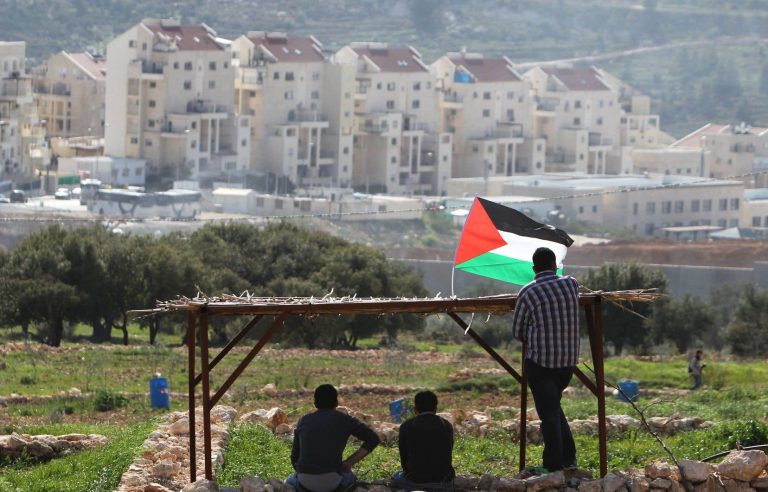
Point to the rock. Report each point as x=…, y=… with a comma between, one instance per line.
x=283, y=429
x=695, y=471
x=202, y=485
x=448, y=416
x=712, y=484
x=485, y=482
x=274, y=417
x=465, y=483
x=133, y=480
x=556, y=479
x=252, y=484
x=378, y=488
x=638, y=484
x=737, y=486
x=165, y=469
x=658, y=469
x=269, y=390
x=613, y=482
x=39, y=449
x=179, y=427
x=223, y=414
x=760, y=482
x=508, y=485
x=743, y=465
x=661, y=483
x=156, y=487
x=590, y=486
x=74, y=393
x=254, y=416
x=276, y=484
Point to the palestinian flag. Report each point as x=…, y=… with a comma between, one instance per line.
x=498, y=242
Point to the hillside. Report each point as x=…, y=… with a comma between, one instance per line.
x=524, y=30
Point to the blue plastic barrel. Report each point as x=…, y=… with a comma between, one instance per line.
x=630, y=388
x=159, y=395
x=398, y=410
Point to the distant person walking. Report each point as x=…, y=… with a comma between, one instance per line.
x=319, y=441
x=426, y=448
x=546, y=318
x=694, y=369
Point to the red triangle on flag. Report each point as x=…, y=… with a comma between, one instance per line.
x=479, y=235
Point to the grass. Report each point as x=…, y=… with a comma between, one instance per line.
x=93, y=470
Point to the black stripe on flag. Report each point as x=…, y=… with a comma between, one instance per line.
x=510, y=220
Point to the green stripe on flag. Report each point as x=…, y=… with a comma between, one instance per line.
x=501, y=268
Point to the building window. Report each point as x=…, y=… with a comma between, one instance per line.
x=734, y=203
x=193, y=125
x=131, y=43
x=315, y=95
x=649, y=229
x=755, y=221
x=390, y=104
x=188, y=66
x=394, y=140
x=599, y=120
x=152, y=84
x=594, y=209
x=276, y=75
x=289, y=76
x=650, y=208
x=193, y=144
x=415, y=104
x=151, y=123
x=187, y=85
x=577, y=121
x=151, y=103
x=315, y=76
x=733, y=223
x=679, y=206
x=635, y=208
x=510, y=115
x=175, y=65
x=666, y=207
x=345, y=151
x=722, y=204
x=393, y=160
x=486, y=113
x=139, y=171
x=148, y=143
x=707, y=205
x=226, y=65
x=581, y=209
x=417, y=86
x=134, y=141
x=211, y=84
x=288, y=95
x=391, y=86
x=722, y=223
x=212, y=65
x=510, y=95
x=577, y=104
x=487, y=95
x=695, y=205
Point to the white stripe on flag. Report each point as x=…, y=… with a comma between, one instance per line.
x=523, y=247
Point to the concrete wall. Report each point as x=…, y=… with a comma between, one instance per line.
x=683, y=279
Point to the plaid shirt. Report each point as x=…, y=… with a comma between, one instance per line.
x=547, y=317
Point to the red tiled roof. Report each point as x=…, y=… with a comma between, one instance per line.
x=188, y=38
x=693, y=140
x=290, y=48
x=96, y=68
x=577, y=79
x=487, y=69
x=399, y=59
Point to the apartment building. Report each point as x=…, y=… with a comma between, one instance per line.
x=488, y=108
x=754, y=210
x=170, y=92
x=22, y=137
x=300, y=108
x=397, y=145
x=733, y=150
x=69, y=92
x=578, y=113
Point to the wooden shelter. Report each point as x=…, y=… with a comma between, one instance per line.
x=281, y=308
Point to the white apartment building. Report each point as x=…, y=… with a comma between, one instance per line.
x=300, y=108
x=22, y=138
x=578, y=113
x=398, y=148
x=488, y=108
x=170, y=92
x=754, y=210
x=732, y=149
x=69, y=92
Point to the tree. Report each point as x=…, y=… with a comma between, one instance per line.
x=623, y=328
x=681, y=322
x=748, y=332
x=426, y=15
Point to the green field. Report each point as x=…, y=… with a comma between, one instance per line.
x=734, y=394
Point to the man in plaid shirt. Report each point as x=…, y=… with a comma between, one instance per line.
x=547, y=318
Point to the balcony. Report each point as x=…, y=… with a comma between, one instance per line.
x=56, y=90
x=200, y=106
x=369, y=127
x=506, y=130
x=547, y=105
x=408, y=126
x=148, y=67
x=597, y=140
x=306, y=116
x=251, y=76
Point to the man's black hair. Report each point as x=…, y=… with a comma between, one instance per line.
x=326, y=396
x=543, y=259
x=425, y=401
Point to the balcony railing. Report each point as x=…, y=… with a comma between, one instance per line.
x=452, y=97
x=547, y=104
x=205, y=107
x=597, y=139
x=306, y=116
x=151, y=67
x=374, y=127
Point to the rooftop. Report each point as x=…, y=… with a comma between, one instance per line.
x=485, y=69
x=577, y=79
x=694, y=139
x=285, y=48
x=186, y=37
x=391, y=59
x=96, y=68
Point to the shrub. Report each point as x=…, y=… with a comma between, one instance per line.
x=746, y=433
x=106, y=400
x=27, y=380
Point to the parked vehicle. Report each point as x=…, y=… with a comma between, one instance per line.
x=62, y=194
x=4, y=199
x=18, y=196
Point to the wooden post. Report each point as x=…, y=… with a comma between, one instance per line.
x=232, y=344
x=206, y=393
x=477, y=338
x=523, y=410
x=597, y=359
x=191, y=356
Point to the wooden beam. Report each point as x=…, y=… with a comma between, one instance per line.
x=585, y=380
x=191, y=358
x=523, y=410
x=205, y=369
x=278, y=323
x=597, y=358
x=477, y=338
x=232, y=344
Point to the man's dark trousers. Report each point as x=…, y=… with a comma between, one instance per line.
x=547, y=385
